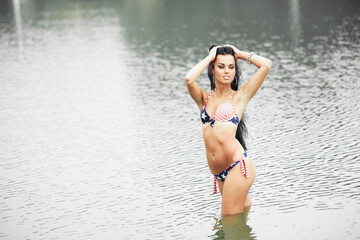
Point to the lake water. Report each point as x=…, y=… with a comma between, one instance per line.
x=99, y=138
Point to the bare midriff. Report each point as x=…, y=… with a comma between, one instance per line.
x=222, y=148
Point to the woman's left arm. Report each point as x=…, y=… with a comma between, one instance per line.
x=252, y=86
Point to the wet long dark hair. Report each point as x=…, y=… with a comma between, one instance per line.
x=241, y=131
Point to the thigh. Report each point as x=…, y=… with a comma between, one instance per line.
x=235, y=189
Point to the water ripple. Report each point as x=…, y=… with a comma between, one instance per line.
x=99, y=138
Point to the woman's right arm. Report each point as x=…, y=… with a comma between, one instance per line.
x=190, y=79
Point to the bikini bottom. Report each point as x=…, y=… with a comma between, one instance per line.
x=222, y=176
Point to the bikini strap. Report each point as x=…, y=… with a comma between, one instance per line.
x=231, y=97
x=215, y=189
x=207, y=98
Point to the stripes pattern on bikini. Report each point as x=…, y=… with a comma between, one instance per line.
x=224, y=113
x=221, y=176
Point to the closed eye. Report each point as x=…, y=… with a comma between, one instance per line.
x=222, y=66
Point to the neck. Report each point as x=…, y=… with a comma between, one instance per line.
x=222, y=90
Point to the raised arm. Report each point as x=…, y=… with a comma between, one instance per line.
x=190, y=79
x=252, y=86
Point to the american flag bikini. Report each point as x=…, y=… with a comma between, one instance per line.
x=221, y=176
x=224, y=113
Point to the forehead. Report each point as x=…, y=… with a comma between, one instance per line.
x=225, y=59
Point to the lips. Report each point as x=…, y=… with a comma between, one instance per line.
x=227, y=77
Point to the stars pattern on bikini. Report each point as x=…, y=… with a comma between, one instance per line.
x=203, y=116
x=221, y=176
x=224, y=113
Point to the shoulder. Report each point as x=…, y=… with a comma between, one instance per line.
x=207, y=95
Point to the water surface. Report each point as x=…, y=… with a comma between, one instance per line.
x=100, y=139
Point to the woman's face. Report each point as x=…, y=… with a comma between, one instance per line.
x=224, y=69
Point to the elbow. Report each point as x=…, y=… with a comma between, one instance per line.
x=267, y=64
x=187, y=79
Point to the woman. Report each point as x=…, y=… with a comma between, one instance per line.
x=221, y=109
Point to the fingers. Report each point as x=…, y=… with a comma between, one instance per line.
x=213, y=49
x=212, y=46
x=212, y=52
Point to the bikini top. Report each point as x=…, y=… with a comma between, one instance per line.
x=224, y=113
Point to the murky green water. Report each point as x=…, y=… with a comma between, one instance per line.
x=100, y=140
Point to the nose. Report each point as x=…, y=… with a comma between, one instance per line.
x=226, y=69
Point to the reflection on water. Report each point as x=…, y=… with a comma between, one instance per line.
x=99, y=138
x=233, y=227
x=18, y=21
x=294, y=19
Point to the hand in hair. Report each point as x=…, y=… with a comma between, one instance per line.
x=212, y=51
x=233, y=48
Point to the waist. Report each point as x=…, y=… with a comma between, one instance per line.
x=221, y=155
